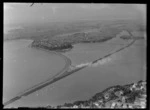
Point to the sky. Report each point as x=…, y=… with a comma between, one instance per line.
x=53, y=12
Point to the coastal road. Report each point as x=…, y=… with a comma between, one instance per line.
x=62, y=74
x=44, y=83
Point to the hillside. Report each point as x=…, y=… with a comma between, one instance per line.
x=119, y=96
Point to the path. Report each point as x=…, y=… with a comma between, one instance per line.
x=63, y=75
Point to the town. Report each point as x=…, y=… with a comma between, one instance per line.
x=126, y=96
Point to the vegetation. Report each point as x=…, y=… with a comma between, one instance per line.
x=88, y=34
x=115, y=98
x=52, y=29
x=66, y=41
x=62, y=37
x=119, y=96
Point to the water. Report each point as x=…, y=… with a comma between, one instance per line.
x=125, y=67
x=121, y=68
x=25, y=67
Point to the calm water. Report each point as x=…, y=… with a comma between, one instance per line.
x=124, y=67
x=25, y=67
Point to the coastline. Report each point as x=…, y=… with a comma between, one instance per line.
x=65, y=73
x=43, y=83
x=67, y=60
x=132, y=95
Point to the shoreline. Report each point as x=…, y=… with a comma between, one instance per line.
x=65, y=73
x=67, y=60
x=43, y=83
x=131, y=95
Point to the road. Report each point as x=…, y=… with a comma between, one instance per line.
x=62, y=74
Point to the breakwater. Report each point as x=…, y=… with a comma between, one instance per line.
x=63, y=75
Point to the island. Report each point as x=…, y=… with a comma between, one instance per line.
x=65, y=42
x=86, y=32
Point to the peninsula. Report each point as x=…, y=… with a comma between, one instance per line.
x=65, y=42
